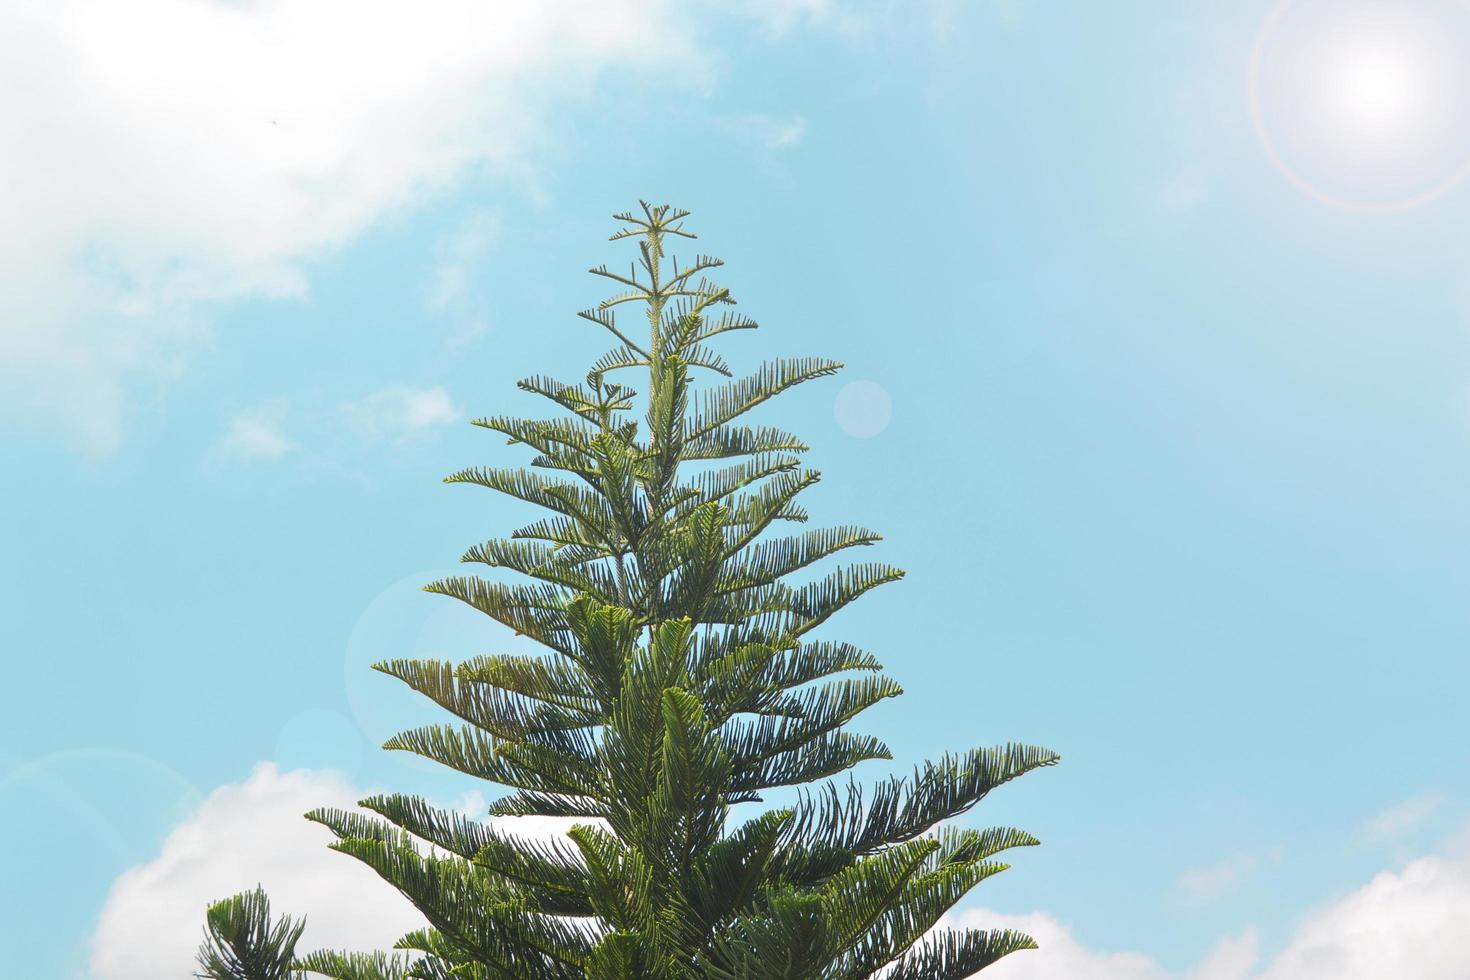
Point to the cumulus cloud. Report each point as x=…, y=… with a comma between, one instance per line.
x=397, y=413
x=1063, y=957
x=1408, y=923
x=256, y=434
x=162, y=156
x=244, y=834
x=1060, y=955
x=1404, y=923
x=253, y=833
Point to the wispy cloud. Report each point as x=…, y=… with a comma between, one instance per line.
x=771, y=132
x=398, y=413
x=256, y=434
x=783, y=16
x=1201, y=886
x=1184, y=191
x=1402, y=818
x=454, y=288
x=767, y=139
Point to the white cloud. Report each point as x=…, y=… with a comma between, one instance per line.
x=1060, y=954
x=1406, y=923
x=1230, y=959
x=253, y=833
x=242, y=835
x=256, y=434
x=1062, y=957
x=393, y=414
x=398, y=413
x=1409, y=923
x=163, y=155
x=1402, y=818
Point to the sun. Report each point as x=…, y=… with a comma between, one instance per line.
x=1377, y=89
x=1365, y=104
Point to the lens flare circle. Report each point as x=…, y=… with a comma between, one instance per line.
x=403, y=623
x=863, y=409
x=1364, y=105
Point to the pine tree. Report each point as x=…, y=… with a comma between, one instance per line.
x=683, y=677
x=241, y=942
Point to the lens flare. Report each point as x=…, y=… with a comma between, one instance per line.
x=1363, y=104
x=1377, y=90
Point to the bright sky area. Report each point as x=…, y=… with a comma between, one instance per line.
x=1158, y=384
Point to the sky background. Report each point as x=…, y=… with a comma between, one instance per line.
x=1157, y=384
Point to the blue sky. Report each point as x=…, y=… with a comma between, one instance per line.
x=1177, y=460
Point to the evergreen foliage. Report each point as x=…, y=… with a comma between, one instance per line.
x=682, y=677
x=242, y=943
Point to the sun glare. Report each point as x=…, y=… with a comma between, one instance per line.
x=1365, y=104
x=1377, y=90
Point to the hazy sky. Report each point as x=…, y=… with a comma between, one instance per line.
x=1156, y=318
